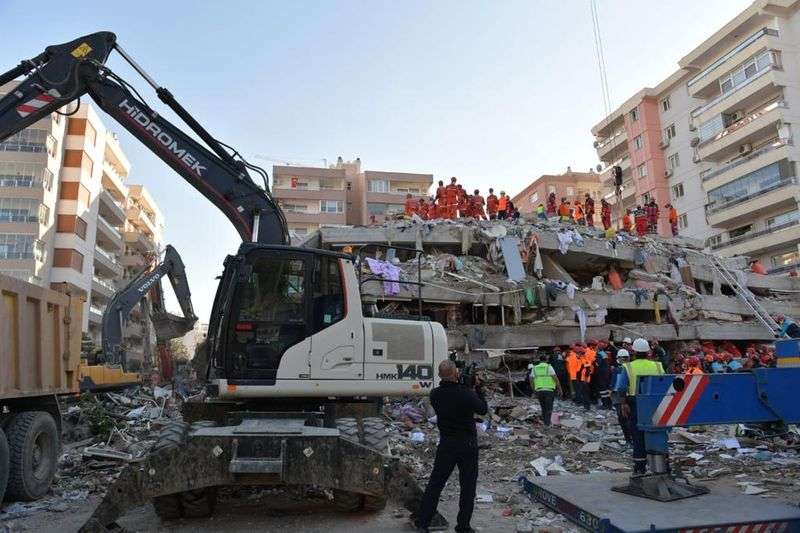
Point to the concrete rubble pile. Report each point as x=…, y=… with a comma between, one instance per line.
x=102, y=433
x=514, y=443
x=555, y=283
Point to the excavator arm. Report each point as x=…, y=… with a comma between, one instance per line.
x=167, y=326
x=63, y=73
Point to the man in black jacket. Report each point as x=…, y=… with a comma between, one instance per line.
x=456, y=406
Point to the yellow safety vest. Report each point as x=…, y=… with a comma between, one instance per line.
x=641, y=367
x=541, y=378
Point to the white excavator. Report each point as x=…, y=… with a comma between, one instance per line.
x=296, y=373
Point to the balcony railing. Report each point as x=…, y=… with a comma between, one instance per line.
x=28, y=183
x=7, y=217
x=714, y=101
x=715, y=207
x=107, y=284
x=107, y=255
x=749, y=157
x=605, y=142
x=748, y=236
x=107, y=225
x=8, y=254
x=744, y=122
x=738, y=48
x=784, y=268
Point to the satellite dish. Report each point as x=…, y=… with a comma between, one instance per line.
x=599, y=167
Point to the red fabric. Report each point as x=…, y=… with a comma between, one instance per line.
x=411, y=206
x=641, y=225
x=491, y=204
x=626, y=223
x=441, y=195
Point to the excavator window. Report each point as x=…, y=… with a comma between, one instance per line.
x=328, y=305
x=270, y=313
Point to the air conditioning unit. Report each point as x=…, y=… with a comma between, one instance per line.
x=692, y=127
x=745, y=149
x=664, y=143
x=695, y=141
x=736, y=116
x=668, y=173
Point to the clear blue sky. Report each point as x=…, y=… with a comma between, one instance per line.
x=496, y=93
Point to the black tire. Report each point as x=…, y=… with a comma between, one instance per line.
x=347, y=502
x=375, y=437
x=3, y=464
x=172, y=435
x=348, y=428
x=168, y=507
x=198, y=503
x=33, y=455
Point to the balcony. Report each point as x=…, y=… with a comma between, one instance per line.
x=734, y=56
x=108, y=236
x=759, y=123
x=740, y=166
x=112, y=180
x=21, y=182
x=613, y=147
x=760, y=86
x=284, y=193
x=139, y=218
x=761, y=242
x=315, y=217
x=105, y=289
x=106, y=264
x=607, y=176
x=134, y=260
x=111, y=209
x=140, y=241
x=738, y=210
x=784, y=269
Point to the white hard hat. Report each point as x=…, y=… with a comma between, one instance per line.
x=627, y=340
x=623, y=354
x=641, y=345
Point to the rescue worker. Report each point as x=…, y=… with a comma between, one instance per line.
x=673, y=219
x=623, y=357
x=641, y=220
x=564, y=212
x=788, y=327
x=461, y=200
x=627, y=384
x=451, y=199
x=502, y=206
x=589, y=210
x=585, y=370
x=423, y=210
x=433, y=210
x=411, y=206
x=577, y=214
x=456, y=406
x=491, y=205
x=545, y=384
x=605, y=214
x=560, y=367
x=627, y=222
x=757, y=268
x=540, y=212
x=572, y=372
x=477, y=206
x=441, y=196
x=552, y=210
x=652, y=217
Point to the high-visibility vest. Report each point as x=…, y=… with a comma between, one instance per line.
x=641, y=367
x=541, y=378
x=502, y=203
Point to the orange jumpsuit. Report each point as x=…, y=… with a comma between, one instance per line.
x=491, y=205
x=411, y=207
x=451, y=200
x=477, y=207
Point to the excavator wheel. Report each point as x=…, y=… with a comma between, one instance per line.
x=372, y=433
x=198, y=503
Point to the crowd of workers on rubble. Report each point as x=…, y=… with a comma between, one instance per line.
x=453, y=201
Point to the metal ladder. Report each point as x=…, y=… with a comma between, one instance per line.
x=745, y=295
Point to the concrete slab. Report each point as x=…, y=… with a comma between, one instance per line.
x=588, y=501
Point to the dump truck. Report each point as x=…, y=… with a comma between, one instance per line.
x=40, y=343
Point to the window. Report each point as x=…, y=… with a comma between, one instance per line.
x=328, y=304
x=331, y=206
x=674, y=161
x=641, y=170
x=638, y=142
x=51, y=145
x=785, y=259
x=646, y=198
x=72, y=190
x=406, y=190
x=71, y=224
x=376, y=209
x=47, y=180
x=715, y=240
x=38, y=250
x=269, y=315
x=669, y=132
x=44, y=214
x=551, y=189
x=80, y=228
x=665, y=104
x=570, y=191
x=378, y=186
x=28, y=140
x=68, y=258
x=683, y=221
x=349, y=186
x=783, y=219
x=738, y=232
x=533, y=198
x=328, y=184
x=16, y=246
x=634, y=114
x=677, y=191
x=294, y=208
x=19, y=210
x=751, y=184
x=91, y=134
x=747, y=70
x=19, y=174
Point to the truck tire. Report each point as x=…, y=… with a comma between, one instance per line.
x=375, y=437
x=3, y=464
x=33, y=455
x=372, y=434
x=173, y=435
x=198, y=503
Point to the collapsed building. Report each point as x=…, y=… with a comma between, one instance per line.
x=522, y=285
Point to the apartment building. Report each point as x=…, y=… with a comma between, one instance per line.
x=342, y=194
x=63, y=208
x=716, y=138
x=570, y=185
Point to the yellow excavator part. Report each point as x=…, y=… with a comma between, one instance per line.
x=94, y=377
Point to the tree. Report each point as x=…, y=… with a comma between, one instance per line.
x=179, y=350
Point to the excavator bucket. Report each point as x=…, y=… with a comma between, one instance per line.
x=168, y=326
x=257, y=451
